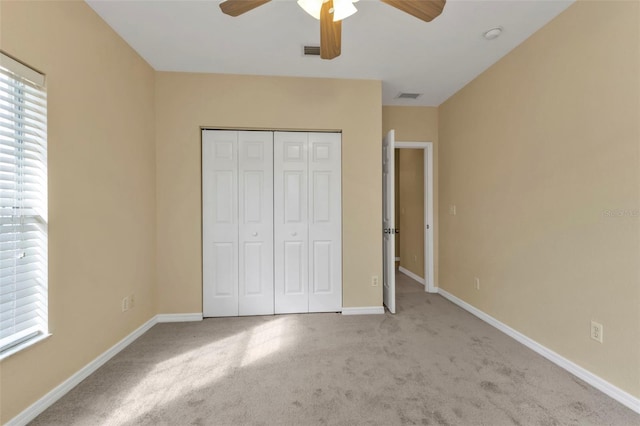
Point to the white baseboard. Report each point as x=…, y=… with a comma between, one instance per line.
x=364, y=310
x=411, y=275
x=61, y=390
x=597, y=382
x=179, y=317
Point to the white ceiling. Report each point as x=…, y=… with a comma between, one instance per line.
x=379, y=42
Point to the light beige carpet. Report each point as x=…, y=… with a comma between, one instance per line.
x=431, y=364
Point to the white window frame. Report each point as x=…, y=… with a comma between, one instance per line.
x=23, y=207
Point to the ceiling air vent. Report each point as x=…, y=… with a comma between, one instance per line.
x=311, y=50
x=408, y=95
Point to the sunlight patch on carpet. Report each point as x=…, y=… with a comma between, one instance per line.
x=265, y=340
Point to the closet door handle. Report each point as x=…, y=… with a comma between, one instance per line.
x=293, y=234
x=255, y=234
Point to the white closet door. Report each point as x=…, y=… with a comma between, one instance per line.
x=255, y=194
x=325, y=223
x=220, y=223
x=291, y=224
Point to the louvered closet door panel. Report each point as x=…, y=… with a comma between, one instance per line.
x=255, y=199
x=220, y=223
x=325, y=223
x=291, y=225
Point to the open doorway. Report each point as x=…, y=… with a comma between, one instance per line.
x=409, y=209
x=390, y=225
x=413, y=189
x=414, y=211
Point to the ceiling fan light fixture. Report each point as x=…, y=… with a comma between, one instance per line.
x=312, y=7
x=343, y=9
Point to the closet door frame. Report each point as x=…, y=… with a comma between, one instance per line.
x=286, y=258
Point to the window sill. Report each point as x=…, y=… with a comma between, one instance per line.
x=24, y=345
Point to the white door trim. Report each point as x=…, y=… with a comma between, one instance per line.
x=429, y=231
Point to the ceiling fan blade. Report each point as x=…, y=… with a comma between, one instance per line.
x=330, y=32
x=426, y=10
x=238, y=7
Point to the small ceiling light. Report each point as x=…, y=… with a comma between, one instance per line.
x=493, y=33
x=341, y=8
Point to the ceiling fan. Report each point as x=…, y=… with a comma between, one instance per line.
x=332, y=12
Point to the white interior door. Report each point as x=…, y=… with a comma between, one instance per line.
x=220, y=223
x=291, y=222
x=388, y=195
x=255, y=206
x=325, y=223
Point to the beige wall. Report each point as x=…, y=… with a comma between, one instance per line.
x=185, y=102
x=418, y=124
x=101, y=190
x=411, y=218
x=535, y=153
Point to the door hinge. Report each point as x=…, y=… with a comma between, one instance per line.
x=391, y=231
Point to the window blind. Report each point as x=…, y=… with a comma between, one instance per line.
x=23, y=204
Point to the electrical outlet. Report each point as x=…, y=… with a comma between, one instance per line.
x=477, y=283
x=374, y=281
x=415, y=258
x=132, y=300
x=125, y=304
x=452, y=209
x=596, y=331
